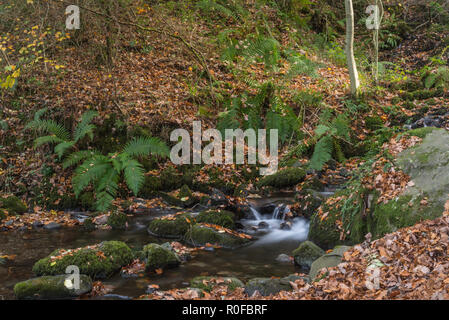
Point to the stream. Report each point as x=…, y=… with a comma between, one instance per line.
x=255, y=260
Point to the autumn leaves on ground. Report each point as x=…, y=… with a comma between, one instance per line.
x=86, y=117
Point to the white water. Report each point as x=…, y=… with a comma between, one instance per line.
x=298, y=232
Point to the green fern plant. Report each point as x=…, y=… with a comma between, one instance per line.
x=104, y=172
x=328, y=136
x=58, y=134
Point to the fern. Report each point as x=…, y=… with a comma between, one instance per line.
x=85, y=127
x=322, y=153
x=144, y=146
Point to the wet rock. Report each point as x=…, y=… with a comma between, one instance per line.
x=263, y=225
x=89, y=225
x=99, y=262
x=268, y=208
x=159, y=257
x=100, y=220
x=284, y=258
x=306, y=254
x=286, y=225
x=52, y=226
x=52, y=287
x=37, y=224
x=207, y=283
x=200, y=235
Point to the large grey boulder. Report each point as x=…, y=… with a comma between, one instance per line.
x=268, y=286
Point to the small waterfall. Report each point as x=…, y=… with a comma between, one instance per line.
x=280, y=210
x=256, y=213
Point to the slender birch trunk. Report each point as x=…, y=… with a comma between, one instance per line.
x=352, y=67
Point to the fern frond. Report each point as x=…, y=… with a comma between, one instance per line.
x=322, y=153
x=46, y=140
x=104, y=201
x=85, y=127
x=77, y=157
x=144, y=146
x=89, y=172
x=134, y=175
x=51, y=127
x=61, y=148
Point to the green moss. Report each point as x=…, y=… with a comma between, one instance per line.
x=423, y=94
x=2, y=214
x=374, y=123
x=157, y=257
x=200, y=235
x=399, y=213
x=172, y=229
x=51, y=287
x=90, y=261
x=13, y=205
x=221, y=217
x=206, y=283
x=421, y=132
x=306, y=254
x=150, y=187
x=283, y=178
x=117, y=220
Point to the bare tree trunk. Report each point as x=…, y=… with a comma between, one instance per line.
x=352, y=67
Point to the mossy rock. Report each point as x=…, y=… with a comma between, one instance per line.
x=326, y=261
x=219, y=217
x=268, y=286
x=284, y=178
x=150, y=187
x=99, y=262
x=117, y=220
x=159, y=257
x=427, y=164
x=306, y=254
x=52, y=287
x=13, y=205
x=2, y=214
x=308, y=201
x=206, y=283
x=200, y=235
x=170, y=229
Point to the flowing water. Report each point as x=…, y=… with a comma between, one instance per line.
x=255, y=260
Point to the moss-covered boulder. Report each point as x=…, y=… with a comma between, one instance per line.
x=284, y=178
x=328, y=260
x=357, y=211
x=219, y=217
x=268, y=286
x=159, y=257
x=117, y=220
x=207, y=283
x=52, y=287
x=306, y=254
x=200, y=235
x=2, y=214
x=13, y=205
x=170, y=228
x=98, y=261
x=307, y=201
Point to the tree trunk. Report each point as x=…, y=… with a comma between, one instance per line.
x=352, y=67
